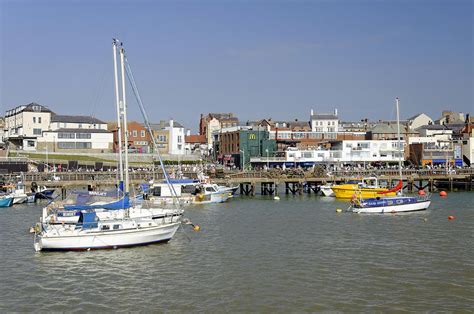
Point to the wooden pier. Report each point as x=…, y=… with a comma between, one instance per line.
x=268, y=182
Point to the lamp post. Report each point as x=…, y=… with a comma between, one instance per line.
x=243, y=159
x=268, y=163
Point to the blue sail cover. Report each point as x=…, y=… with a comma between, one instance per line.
x=88, y=220
x=181, y=181
x=123, y=203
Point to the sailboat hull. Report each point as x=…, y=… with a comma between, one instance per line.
x=84, y=240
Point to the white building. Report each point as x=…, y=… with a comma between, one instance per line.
x=324, y=122
x=76, y=140
x=418, y=121
x=176, y=135
x=468, y=147
x=439, y=131
x=348, y=151
x=24, y=124
x=68, y=133
x=76, y=122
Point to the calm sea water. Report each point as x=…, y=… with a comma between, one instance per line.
x=257, y=255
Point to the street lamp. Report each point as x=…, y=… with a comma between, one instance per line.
x=243, y=159
x=268, y=163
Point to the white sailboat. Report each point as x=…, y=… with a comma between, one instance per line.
x=395, y=204
x=110, y=225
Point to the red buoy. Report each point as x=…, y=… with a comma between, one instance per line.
x=451, y=217
x=421, y=192
x=443, y=193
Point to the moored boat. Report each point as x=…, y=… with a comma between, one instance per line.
x=115, y=224
x=400, y=203
x=6, y=201
x=366, y=187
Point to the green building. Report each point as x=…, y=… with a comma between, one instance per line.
x=255, y=143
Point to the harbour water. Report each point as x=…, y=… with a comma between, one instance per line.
x=257, y=255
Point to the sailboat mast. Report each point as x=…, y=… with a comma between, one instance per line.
x=119, y=119
x=400, y=151
x=124, y=116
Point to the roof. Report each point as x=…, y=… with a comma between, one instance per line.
x=195, y=139
x=386, y=128
x=66, y=130
x=324, y=117
x=31, y=107
x=165, y=124
x=76, y=119
x=433, y=127
x=222, y=116
x=414, y=117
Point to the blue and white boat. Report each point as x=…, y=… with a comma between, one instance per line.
x=395, y=204
x=6, y=201
x=386, y=205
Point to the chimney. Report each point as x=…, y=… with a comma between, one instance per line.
x=335, y=112
x=171, y=123
x=188, y=132
x=312, y=112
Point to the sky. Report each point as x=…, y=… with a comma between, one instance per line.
x=257, y=59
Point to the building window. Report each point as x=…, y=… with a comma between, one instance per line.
x=80, y=125
x=65, y=125
x=30, y=144
x=180, y=138
x=83, y=135
x=135, y=133
x=66, y=135
x=37, y=131
x=66, y=145
x=179, y=146
x=39, y=119
x=83, y=145
x=34, y=119
x=142, y=133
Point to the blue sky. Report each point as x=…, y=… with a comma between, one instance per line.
x=258, y=59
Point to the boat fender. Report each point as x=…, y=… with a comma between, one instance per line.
x=338, y=210
x=451, y=217
x=443, y=193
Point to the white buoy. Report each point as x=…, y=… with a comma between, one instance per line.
x=276, y=198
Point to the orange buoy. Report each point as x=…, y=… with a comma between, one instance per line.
x=443, y=193
x=421, y=192
x=451, y=217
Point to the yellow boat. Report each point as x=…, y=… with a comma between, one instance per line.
x=365, y=188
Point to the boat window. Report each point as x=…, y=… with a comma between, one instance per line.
x=210, y=189
x=105, y=227
x=157, y=191
x=116, y=227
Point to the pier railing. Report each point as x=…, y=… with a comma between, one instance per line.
x=351, y=173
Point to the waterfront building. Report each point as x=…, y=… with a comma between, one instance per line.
x=213, y=122
x=76, y=140
x=196, y=144
x=68, y=133
x=172, y=133
x=236, y=145
x=337, y=152
x=139, y=140
x=25, y=124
